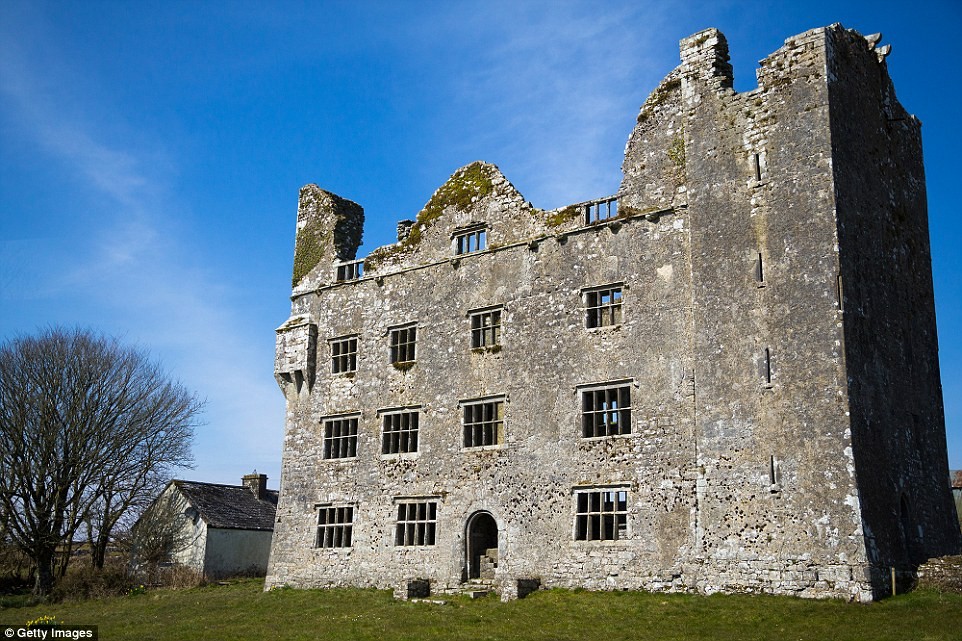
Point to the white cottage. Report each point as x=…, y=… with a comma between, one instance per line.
x=220, y=530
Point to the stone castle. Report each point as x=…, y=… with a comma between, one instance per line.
x=722, y=378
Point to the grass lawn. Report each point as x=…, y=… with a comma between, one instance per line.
x=242, y=610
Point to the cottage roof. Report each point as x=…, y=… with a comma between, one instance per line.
x=230, y=506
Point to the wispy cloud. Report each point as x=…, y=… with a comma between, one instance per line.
x=558, y=92
x=130, y=269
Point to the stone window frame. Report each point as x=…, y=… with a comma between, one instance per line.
x=335, y=526
x=416, y=521
x=600, y=211
x=613, y=411
x=600, y=513
x=604, y=305
x=486, y=336
x=344, y=362
x=480, y=425
x=405, y=431
x=339, y=435
x=348, y=270
x=403, y=343
x=469, y=240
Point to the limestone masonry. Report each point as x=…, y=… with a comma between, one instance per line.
x=722, y=378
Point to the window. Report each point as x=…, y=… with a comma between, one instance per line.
x=470, y=241
x=350, y=271
x=340, y=437
x=343, y=355
x=416, y=523
x=403, y=340
x=485, y=328
x=483, y=422
x=606, y=411
x=334, y=527
x=399, y=433
x=759, y=271
x=604, y=210
x=601, y=515
x=603, y=306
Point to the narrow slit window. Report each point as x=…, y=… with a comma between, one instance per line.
x=759, y=270
x=757, y=166
x=839, y=292
x=767, y=366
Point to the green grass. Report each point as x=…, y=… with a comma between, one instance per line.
x=242, y=611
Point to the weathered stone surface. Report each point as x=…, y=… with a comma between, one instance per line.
x=776, y=334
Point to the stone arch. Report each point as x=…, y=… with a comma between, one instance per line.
x=481, y=538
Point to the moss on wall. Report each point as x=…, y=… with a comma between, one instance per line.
x=311, y=246
x=563, y=216
x=464, y=188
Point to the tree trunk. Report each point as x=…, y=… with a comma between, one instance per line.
x=43, y=574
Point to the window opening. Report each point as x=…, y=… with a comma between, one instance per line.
x=604, y=210
x=399, y=432
x=606, y=411
x=603, y=306
x=340, y=437
x=343, y=355
x=334, y=527
x=759, y=270
x=483, y=423
x=403, y=341
x=486, y=328
x=767, y=367
x=416, y=523
x=470, y=241
x=601, y=515
x=350, y=271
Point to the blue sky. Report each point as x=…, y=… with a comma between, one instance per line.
x=151, y=153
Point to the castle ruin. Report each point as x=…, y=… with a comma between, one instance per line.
x=723, y=377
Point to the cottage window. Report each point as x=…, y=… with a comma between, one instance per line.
x=485, y=328
x=399, y=432
x=603, y=306
x=416, y=523
x=343, y=355
x=350, y=271
x=604, y=210
x=470, y=241
x=403, y=340
x=606, y=411
x=601, y=515
x=340, y=437
x=483, y=422
x=334, y=527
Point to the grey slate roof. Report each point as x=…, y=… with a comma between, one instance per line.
x=232, y=507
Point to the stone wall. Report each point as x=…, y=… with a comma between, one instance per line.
x=754, y=378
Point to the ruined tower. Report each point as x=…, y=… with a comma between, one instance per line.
x=723, y=377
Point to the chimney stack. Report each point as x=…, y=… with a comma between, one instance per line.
x=256, y=483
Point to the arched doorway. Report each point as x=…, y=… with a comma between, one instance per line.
x=481, y=542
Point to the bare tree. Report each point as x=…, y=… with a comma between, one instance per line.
x=163, y=532
x=87, y=427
